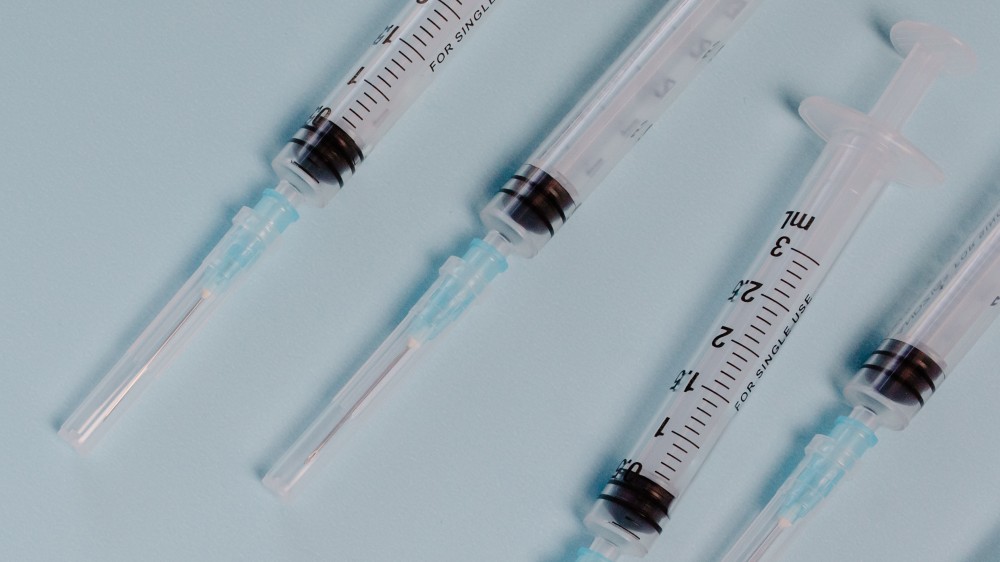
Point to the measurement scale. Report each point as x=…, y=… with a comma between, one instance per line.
x=536, y=202
x=864, y=153
x=893, y=385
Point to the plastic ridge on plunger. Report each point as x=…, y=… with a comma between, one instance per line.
x=908, y=367
x=864, y=153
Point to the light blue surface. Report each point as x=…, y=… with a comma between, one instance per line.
x=132, y=132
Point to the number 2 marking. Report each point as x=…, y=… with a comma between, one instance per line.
x=717, y=342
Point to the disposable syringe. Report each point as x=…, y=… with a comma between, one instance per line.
x=864, y=153
x=325, y=152
x=892, y=386
x=532, y=206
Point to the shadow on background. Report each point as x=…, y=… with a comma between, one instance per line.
x=988, y=549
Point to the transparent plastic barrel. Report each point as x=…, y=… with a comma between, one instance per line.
x=638, y=88
x=935, y=335
x=962, y=303
x=760, y=314
x=401, y=62
x=863, y=154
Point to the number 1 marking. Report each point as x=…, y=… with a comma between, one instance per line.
x=392, y=33
x=690, y=385
x=659, y=432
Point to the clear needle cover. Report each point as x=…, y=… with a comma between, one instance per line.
x=460, y=282
x=253, y=231
x=324, y=153
x=864, y=153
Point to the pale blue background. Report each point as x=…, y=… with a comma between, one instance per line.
x=132, y=132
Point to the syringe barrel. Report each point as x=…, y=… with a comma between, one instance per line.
x=936, y=334
x=747, y=336
x=864, y=153
x=612, y=117
x=399, y=66
x=961, y=303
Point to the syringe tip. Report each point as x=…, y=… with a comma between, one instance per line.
x=601, y=550
x=278, y=487
x=75, y=440
x=587, y=555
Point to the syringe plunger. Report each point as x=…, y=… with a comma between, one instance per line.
x=864, y=153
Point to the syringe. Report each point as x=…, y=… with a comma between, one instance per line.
x=325, y=152
x=532, y=206
x=863, y=154
x=891, y=387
